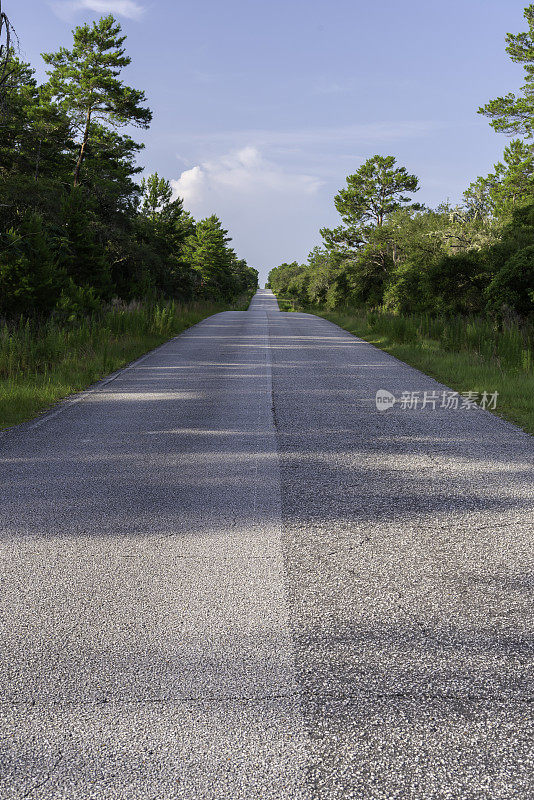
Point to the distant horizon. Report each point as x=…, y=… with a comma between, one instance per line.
x=261, y=112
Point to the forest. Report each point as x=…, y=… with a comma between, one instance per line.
x=391, y=252
x=96, y=263
x=77, y=228
x=394, y=254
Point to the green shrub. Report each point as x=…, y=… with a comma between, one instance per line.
x=75, y=303
x=406, y=290
x=30, y=280
x=457, y=283
x=512, y=288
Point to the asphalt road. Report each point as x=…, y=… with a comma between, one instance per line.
x=226, y=575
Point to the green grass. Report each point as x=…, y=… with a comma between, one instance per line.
x=465, y=354
x=285, y=304
x=41, y=364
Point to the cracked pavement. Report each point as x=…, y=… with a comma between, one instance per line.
x=225, y=574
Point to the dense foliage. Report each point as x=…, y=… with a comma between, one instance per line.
x=473, y=259
x=77, y=227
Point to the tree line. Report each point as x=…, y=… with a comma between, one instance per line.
x=476, y=258
x=77, y=226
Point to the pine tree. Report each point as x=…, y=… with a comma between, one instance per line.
x=109, y=172
x=34, y=132
x=86, y=83
x=373, y=192
x=30, y=281
x=516, y=177
x=515, y=113
x=156, y=196
x=81, y=255
x=509, y=186
x=209, y=255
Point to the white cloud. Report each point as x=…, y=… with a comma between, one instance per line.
x=66, y=9
x=243, y=174
x=273, y=189
x=190, y=185
x=264, y=206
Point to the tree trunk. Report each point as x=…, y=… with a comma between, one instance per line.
x=82, y=148
x=5, y=49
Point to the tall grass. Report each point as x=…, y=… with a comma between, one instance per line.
x=42, y=362
x=510, y=345
x=287, y=304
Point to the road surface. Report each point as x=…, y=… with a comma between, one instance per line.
x=226, y=575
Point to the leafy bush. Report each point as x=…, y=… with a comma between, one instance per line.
x=75, y=303
x=407, y=289
x=513, y=286
x=29, y=278
x=457, y=283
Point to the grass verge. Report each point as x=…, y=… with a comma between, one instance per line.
x=43, y=363
x=286, y=304
x=465, y=354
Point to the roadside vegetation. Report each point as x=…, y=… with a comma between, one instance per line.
x=449, y=290
x=42, y=362
x=287, y=304
x=96, y=264
x=465, y=354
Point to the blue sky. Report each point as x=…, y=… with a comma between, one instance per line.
x=261, y=108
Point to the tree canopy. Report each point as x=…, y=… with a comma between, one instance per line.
x=85, y=82
x=78, y=228
x=373, y=192
x=514, y=113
